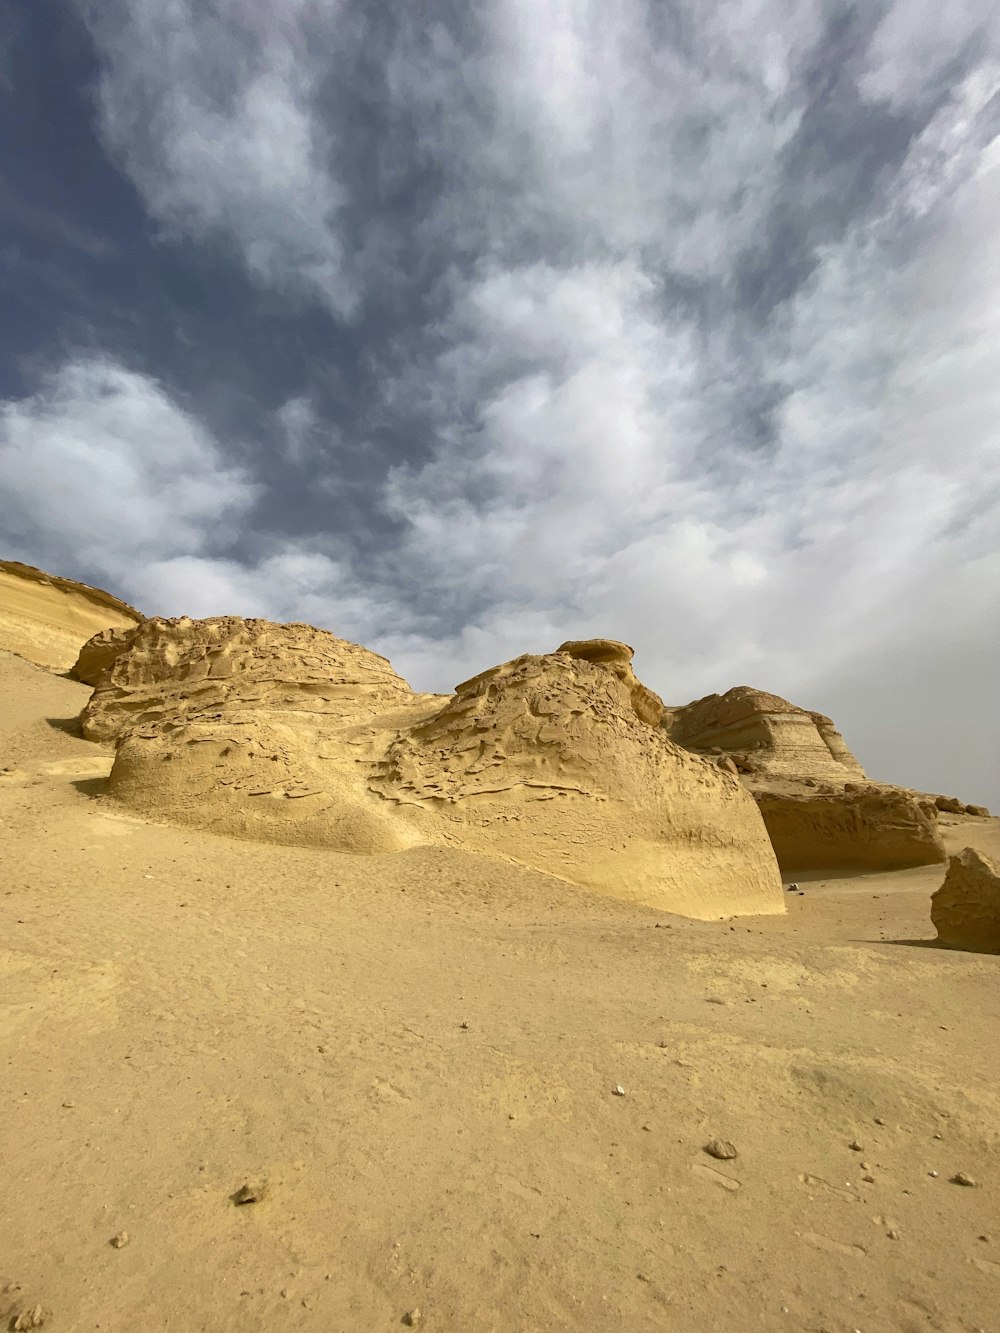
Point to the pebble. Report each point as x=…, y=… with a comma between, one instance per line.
x=855, y=1146
x=960, y=1178
x=248, y=1194
x=869, y=1178
x=893, y=1235
x=618, y=1090
x=33, y=1318
x=932, y=1173
x=722, y=1149
x=879, y=1120
x=119, y=1241
x=412, y=1317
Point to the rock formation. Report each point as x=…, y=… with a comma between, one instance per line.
x=870, y=828
x=549, y=759
x=764, y=735
x=287, y=733
x=46, y=619
x=965, y=910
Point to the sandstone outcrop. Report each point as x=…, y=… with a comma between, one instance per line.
x=46, y=619
x=763, y=734
x=287, y=733
x=867, y=829
x=965, y=910
x=550, y=760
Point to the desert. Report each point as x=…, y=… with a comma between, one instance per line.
x=329, y=1005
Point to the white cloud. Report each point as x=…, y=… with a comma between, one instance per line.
x=209, y=110
x=101, y=469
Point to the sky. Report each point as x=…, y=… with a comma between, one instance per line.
x=464, y=329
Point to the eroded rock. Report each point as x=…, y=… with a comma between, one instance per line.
x=965, y=910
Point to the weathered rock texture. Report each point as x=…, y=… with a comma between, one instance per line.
x=965, y=910
x=46, y=619
x=549, y=760
x=866, y=829
x=287, y=733
x=763, y=734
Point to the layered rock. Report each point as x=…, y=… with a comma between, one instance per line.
x=285, y=732
x=965, y=910
x=47, y=619
x=764, y=735
x=868, y=828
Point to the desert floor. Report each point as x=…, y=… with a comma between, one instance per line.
x=416, y=1057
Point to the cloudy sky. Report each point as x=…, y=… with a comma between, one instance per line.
x=462, y=329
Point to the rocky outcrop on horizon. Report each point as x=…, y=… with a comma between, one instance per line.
x=965, y=910
x=286, y=733
x=47, y=619
x=764, y=735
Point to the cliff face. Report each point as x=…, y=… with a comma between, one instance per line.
x=47, y=619
x=868, y=829
x=764, y=734
x=286, y=733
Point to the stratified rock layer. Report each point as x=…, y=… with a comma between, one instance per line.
x=47, y=619
x=764, y=734
x=965, y=910
x=286, y=733
x=866, y=829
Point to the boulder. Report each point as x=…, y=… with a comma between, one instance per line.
x=98, y=654
x=950, y=805
x=286, y=733
x=47, y=619
x=965, y=910
x=773, y=738
x=872, y=829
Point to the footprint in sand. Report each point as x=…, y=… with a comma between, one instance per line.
x=716, y=1177
x=830, y=1246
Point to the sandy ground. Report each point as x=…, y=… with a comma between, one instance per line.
x=416, y=1056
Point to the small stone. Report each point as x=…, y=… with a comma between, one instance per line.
x=855, y=1146
x=648, y=1129
x=412, y=1318
x=879, y=1120
x=248, y=1194
x=464, y=1027
x=960, y=1178
x=939, y=1136
x=33, y=1318
x=932, y=1173
x=721, y=1149
x=893, y=1235
x=868, y=1178
x=618, y=1090
x=119, y=1241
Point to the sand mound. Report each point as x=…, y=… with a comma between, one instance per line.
x=46, y=619
x=865, y=829
x=965, y=911
x=764, y=734
x=286, y=733
x=549, y=759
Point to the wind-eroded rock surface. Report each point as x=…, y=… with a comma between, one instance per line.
x=46, y=619
x=965, y=911
x=286, y=733
x=869, y=828
x=764, y=735
x=549, y=760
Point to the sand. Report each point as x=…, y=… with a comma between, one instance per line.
x=415, y=1056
